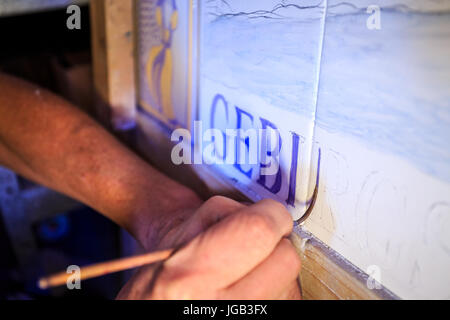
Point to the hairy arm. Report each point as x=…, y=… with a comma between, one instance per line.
x=231, y=250
x=46, y=139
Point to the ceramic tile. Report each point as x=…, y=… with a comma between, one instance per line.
x=259, y=62
x=383, y=125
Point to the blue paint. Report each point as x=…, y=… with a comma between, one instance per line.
x=216, y=100
x=276, y=187
x=240, y=113
x=293, y=172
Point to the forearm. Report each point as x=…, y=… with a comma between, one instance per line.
x=48, y=140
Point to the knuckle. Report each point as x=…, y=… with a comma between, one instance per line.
x=216, y=199
x=221, y=202
x=278, y=209
x=213, y=202
x=275, y=205
x=261, y=226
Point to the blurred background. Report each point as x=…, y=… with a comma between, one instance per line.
x=42, y=231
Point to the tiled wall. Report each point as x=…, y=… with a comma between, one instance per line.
x=361, y=98
x=383, y=121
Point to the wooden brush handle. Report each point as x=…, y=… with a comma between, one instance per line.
x=104, y=268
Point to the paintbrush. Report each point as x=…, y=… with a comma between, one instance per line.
x=104, y=268
x=112, y=266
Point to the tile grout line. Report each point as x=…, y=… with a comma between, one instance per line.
x=316, y=93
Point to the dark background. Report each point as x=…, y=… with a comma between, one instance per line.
x=39, y=47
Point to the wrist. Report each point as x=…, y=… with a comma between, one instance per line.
x=152, y=221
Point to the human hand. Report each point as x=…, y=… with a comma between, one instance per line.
x=243, y=254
